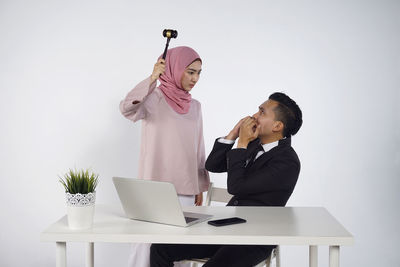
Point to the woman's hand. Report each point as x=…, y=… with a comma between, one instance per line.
x=234, y=134
x=198, y=199
x=248, y=132
x=159, y=68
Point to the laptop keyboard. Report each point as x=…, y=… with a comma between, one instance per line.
x=190, y=219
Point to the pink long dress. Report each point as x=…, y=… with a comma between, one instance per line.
x=172, y=145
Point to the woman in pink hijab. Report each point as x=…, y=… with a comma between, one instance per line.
x=172, y=145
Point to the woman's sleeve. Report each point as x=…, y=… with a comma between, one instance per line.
x=204, y=178
x=133, y=107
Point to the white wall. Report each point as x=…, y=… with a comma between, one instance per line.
x=65, y=65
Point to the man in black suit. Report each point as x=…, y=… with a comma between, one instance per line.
x=262, y=171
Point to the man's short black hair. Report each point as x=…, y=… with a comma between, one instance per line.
x=288, y=112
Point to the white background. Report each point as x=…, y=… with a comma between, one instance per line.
x=65, y=66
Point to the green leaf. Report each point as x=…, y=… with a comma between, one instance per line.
x=82, y=181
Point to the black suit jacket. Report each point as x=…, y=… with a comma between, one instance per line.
x=268, y=181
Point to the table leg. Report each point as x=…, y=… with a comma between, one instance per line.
x=313, y=251
x=90, y=255
x=333, y=256
x=61, y=254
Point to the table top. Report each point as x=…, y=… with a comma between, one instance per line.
x=265, y=225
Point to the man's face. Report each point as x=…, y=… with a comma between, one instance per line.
x=265, y=117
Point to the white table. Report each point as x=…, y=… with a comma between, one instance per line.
x=311, y=226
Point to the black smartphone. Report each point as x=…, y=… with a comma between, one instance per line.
x=227, y=221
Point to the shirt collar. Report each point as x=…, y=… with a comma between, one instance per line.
x=269, y=146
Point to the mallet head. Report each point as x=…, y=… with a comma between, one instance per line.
x=170, y=33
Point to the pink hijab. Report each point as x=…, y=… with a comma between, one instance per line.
x=176, y=61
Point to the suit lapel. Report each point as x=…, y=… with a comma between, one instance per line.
x=269, y=154
x=263, y=158
x=251, y=152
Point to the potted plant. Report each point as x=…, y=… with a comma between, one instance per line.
x=80, y=195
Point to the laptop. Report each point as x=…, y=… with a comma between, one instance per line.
x=153, y=201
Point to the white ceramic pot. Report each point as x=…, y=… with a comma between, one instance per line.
x=80, y=210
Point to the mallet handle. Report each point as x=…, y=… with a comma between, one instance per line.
x=166, y=48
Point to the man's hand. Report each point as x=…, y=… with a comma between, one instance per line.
x=198, y=199
x=234, y=134
x=248, y=131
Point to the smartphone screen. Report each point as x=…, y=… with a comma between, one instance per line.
x=227, y=221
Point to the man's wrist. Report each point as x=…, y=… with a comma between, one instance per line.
x=242, y=143
x=231, y=136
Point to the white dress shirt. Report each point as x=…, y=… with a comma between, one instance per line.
x=266, y=147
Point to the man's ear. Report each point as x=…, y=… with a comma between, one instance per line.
x=278, y=126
